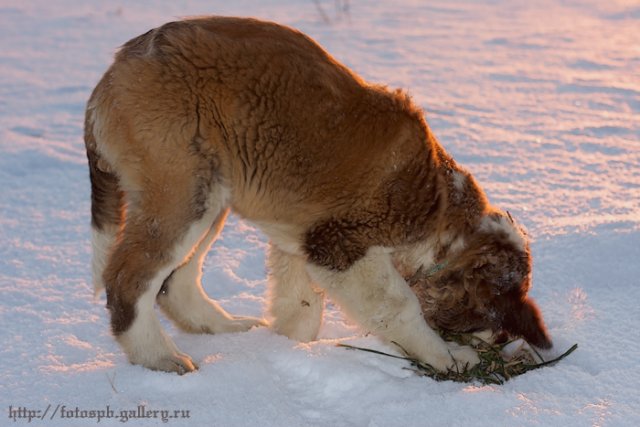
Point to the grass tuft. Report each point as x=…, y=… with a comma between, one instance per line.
x=495, y=367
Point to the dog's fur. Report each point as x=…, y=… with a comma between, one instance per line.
x=201, y=116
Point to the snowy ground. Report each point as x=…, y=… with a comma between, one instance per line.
x=540, y=100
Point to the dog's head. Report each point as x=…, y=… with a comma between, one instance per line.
x=486, y=285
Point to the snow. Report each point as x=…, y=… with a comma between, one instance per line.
x=539, y=100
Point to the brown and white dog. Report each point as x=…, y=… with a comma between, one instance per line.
x=201, y=116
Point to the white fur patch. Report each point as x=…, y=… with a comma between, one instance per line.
x=145, y=343
x=503, y=224
x=294, y=304
x=101, y=247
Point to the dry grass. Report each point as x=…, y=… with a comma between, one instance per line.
x=495, y=365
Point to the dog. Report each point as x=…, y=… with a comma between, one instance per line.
x=202, y=116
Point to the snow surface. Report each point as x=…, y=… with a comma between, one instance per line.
x=540, y=100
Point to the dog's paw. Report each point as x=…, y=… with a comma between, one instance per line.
x=464, y=357
x=179, y=363
x=454, y=357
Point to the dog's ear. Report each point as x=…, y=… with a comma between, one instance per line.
x=524, y=319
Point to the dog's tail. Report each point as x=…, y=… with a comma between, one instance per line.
x=107, y=204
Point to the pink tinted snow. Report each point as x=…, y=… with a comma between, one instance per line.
x=539, y=100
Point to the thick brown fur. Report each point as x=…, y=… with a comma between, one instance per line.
x=201, y=114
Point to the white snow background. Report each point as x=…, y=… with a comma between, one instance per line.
x=540, y=100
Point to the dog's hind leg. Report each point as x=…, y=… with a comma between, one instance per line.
x=294, y=304
x=184, y=301
x=168, y=214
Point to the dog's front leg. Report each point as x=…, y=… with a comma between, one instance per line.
x=374, y=295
